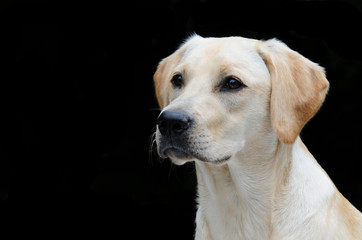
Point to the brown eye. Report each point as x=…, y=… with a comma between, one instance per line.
x=232, y=83
x=177, y=81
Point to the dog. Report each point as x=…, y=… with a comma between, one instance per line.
x=236, y=106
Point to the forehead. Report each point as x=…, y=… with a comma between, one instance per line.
x=217, y=47
x=233, y=55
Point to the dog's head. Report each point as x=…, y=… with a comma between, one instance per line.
x=217, y=94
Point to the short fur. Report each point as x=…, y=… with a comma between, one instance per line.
x=270, y=186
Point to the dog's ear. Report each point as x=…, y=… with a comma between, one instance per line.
x=299, y=87
x=161, y=85
x=165, y=69
x=163, y=74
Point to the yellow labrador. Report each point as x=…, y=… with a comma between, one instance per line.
x=236, y=107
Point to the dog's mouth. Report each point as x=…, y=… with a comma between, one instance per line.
x=175, y=151
x=186, y=154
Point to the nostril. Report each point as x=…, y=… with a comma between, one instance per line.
x=179, y=127
x=162, y=126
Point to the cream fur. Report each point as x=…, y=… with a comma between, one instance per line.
x=271, y=187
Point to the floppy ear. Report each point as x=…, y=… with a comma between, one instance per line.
x=161, y=85
x=299, y=87
x=162, y=76
x=166, y=67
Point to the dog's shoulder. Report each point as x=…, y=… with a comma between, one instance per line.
x=345, y=219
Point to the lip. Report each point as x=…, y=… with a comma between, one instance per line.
x=176, y=151
x=221, y=160
x=181, y=153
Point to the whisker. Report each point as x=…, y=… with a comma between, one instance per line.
x=152, y=147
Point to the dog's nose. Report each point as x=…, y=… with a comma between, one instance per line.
x=173, y=123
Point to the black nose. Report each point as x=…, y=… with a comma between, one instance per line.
x=173, y=123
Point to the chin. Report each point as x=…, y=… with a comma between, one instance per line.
x=179, y=162
x=179, y=157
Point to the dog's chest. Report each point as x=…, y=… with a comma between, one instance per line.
x=224, y=214
x=228, y=218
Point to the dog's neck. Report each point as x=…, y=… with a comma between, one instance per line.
x=240, y=198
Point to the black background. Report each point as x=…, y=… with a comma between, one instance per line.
x=78, y=107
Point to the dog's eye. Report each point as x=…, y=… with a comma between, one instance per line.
x=177, y=81
x=231, y=83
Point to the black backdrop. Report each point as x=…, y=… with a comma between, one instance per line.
x=78, y=107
